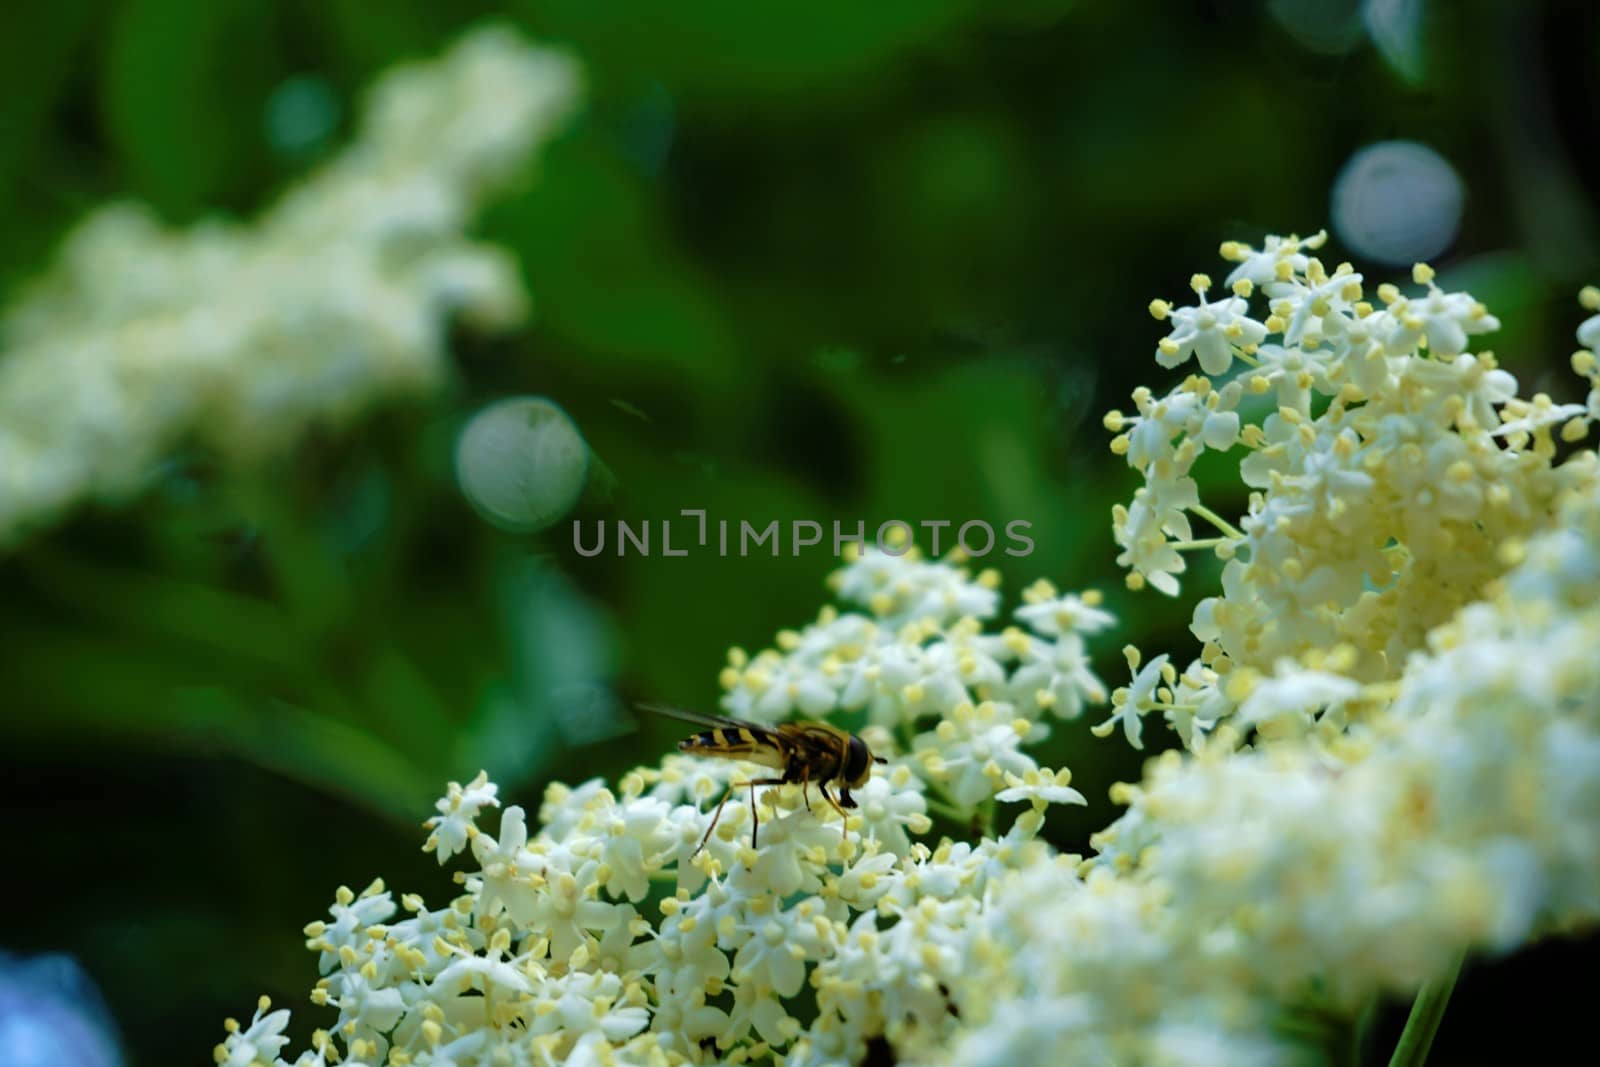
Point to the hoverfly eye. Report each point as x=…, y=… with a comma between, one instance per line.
x=857, y=762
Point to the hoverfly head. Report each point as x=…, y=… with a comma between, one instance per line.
x=858, y=762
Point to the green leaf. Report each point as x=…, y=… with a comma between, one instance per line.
x=724, y=52
x=976, y=441
x=183, y=96
x=603, y=271
x=210, y=620
x=36, y=60
x=122, y=694
x=561, y=653
x=1396, y=27
x=366, y=39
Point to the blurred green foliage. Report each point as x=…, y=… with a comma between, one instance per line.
x=797, y=260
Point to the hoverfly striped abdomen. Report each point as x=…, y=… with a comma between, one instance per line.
x=737, y=742
x=719, y=740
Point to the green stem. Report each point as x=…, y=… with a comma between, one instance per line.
x=1359, y=1030
x=1427, y=1011
x=1209, y=542
x=945, y=811
x=986, y=813
x=1217, y=520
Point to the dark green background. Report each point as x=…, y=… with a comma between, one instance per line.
x=797, y=260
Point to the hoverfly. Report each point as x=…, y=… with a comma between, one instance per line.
x=804, y=751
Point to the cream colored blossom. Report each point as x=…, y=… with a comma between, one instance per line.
x=142, y=337
x=1389, y=470
x=1391, y=758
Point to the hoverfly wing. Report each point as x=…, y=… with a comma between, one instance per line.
x=725, y=738
x=821, y=733
x=694, y=718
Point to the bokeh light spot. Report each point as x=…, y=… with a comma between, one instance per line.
x=1397, y=202
x=301, y=115
x=522, y=463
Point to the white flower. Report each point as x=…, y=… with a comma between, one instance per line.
x=772, y=687
x=1296, y=692
x=1482, y=386
x=634, y=837
x=1295, y=374
x=582, y=1003
x=1270, y=269
x=793, y=850
x=1146, y=527
x=496, y=973
x=1052, y=614
x=569, y=907
x=1536, y=417
x=688, y=779
x=1210, y=332
x=969, y=754
x=453, y=826
x=866, y=881
x=1054, y=676
x=775, y=953
x=1130, y=703
x=353, y=919
x=258, y=1042
x=906, y=588
x=1318, y=307
x=1041, y=787
x=1444, y=320
x=367, y=1006
x=1589, y=333
x=511, y=875
x=1198, y=700
x=890, y=808
x=566, y=807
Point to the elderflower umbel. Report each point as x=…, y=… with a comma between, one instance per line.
x=238, y=335
x=1390, y=468
x=550, y=951
x=1370, y=785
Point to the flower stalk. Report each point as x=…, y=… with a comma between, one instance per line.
x=1427, y=1012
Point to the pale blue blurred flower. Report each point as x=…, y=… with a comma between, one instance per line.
x=51, y=1015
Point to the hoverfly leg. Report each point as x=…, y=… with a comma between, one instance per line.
x=713, y=825
x=843, y=818
x=755, y=820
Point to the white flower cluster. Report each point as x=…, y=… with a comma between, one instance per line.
x=920, y=650
x=608, y=936
x=1244, y=883
x=1388, y=467
x=142, y=337
x=1353, y=817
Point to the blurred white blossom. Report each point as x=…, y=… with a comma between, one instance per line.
x=143, y=337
